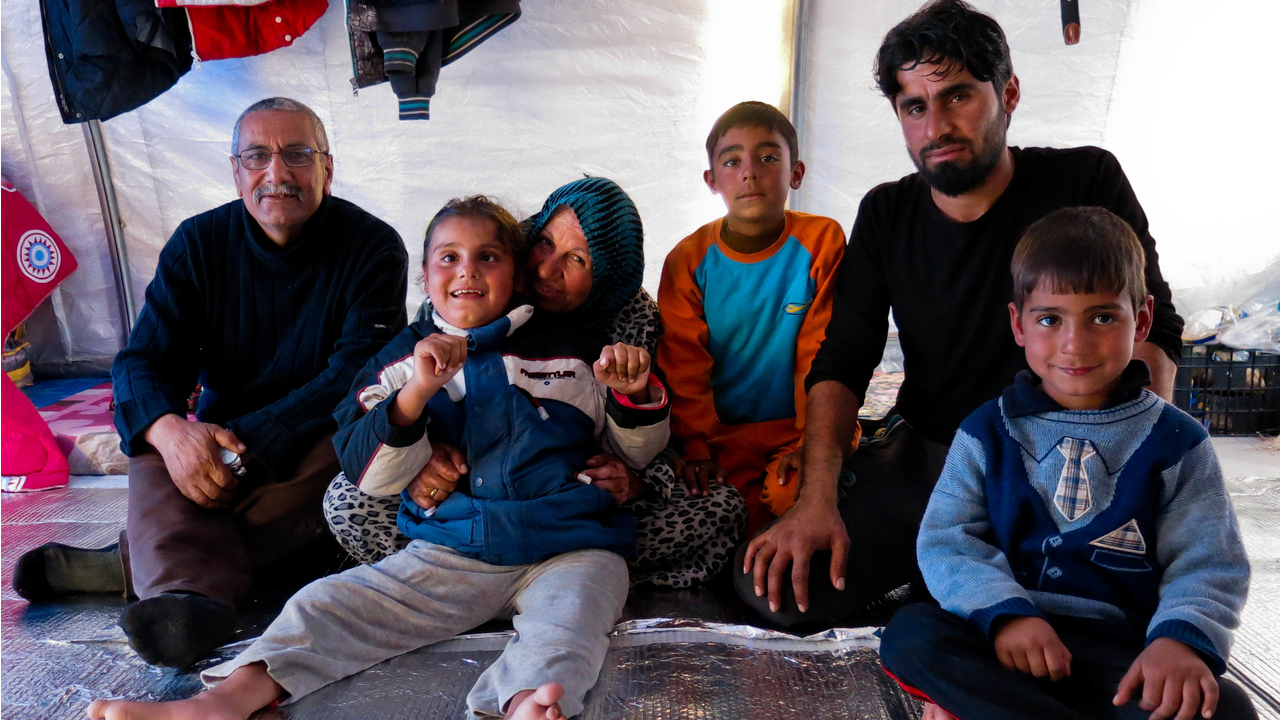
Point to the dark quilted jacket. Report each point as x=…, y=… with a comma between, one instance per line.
x=107, y=57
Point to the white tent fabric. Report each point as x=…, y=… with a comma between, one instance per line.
x=628, y=89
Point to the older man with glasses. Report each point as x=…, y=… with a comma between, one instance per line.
x=271, y=303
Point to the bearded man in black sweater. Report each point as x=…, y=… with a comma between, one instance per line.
x=272, y=303
x=933, y=247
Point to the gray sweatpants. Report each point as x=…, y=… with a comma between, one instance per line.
x=562, y=609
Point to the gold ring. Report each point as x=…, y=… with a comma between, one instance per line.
x=433, y=492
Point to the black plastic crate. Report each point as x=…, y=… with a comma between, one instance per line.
x=1231, y=392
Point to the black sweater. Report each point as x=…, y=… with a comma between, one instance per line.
x=275, y=335
x=949, y=284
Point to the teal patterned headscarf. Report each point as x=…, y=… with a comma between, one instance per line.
x=615, y=238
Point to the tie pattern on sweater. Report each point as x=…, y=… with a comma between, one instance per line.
x=1074, y=496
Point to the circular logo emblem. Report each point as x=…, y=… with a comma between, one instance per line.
x=38, y=256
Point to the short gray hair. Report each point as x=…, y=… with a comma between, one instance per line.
x=281, y=104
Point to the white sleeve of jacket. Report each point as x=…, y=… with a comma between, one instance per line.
x=637, y=433
x=395, y=453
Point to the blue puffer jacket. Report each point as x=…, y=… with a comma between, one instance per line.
x=526, y=412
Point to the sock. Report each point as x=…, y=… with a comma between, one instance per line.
x=54, y=569
x=176, y=629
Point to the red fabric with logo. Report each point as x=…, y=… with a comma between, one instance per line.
x=35, y=261
x=231, y=31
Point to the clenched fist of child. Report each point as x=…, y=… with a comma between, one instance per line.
x=436, y=359
x=624, y=368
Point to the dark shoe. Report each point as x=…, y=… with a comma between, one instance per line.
x=53, y=570
x=175, y=630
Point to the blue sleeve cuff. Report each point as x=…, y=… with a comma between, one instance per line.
x=1193, y=637
x=1016, y=606
x=397, y=436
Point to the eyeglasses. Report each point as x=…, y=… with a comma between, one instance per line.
x=260, y=158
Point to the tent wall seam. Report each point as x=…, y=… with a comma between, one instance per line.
x=111, y=221
x=796, y=84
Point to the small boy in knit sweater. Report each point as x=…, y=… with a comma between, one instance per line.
x=1080, y=542
x=745, y=302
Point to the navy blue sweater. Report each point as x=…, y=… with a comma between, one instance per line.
x=275, y=335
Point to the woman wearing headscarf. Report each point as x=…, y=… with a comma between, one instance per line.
x=585, y=263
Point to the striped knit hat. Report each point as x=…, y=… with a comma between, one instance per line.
x=615, y=238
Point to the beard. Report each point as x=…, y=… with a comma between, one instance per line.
x=953, y=178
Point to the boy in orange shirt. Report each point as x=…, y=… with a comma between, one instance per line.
x=745, y=302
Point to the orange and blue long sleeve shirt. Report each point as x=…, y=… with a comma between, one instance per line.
x=741, y=330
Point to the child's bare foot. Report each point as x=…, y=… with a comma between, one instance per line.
x=540, y=704
x=196, y=708
x=243, y=693
x=933, y=712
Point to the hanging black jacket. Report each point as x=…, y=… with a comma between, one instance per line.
x=107, y=57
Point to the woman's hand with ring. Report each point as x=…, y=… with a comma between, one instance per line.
x=438, y=479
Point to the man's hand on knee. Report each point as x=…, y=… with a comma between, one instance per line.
x=791, y=542
x=191, y=452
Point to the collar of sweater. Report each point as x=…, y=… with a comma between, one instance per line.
x=303, y=247
x=1026, y=396
x=488, y=336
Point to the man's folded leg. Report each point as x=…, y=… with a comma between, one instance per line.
x=190, y=567
x=892, y=479
x=186, y=564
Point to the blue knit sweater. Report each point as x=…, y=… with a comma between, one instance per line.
x=274, y=334
x=1118, y=515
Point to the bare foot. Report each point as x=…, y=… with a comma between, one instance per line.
x=537, y=704
x=933, y=712
x=243, y=693
x=196, y=708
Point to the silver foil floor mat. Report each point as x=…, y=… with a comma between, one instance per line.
x=57, y=657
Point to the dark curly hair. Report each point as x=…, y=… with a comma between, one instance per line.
x=946, y=33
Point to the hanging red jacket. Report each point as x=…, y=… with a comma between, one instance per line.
x=35, y=261
x=219, y=32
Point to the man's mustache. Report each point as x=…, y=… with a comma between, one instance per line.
x=277, y=189
x=944, y=142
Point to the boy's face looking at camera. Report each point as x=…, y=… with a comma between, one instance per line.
x=752, y=170
x=469, y=271
x=1079, y=343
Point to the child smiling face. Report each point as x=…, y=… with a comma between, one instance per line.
x=470, y=273
x=1079, y=343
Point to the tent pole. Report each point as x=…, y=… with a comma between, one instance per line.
x=799, y=44
x=115, y=228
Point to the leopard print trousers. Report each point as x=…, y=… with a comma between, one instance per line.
x=681, y=539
